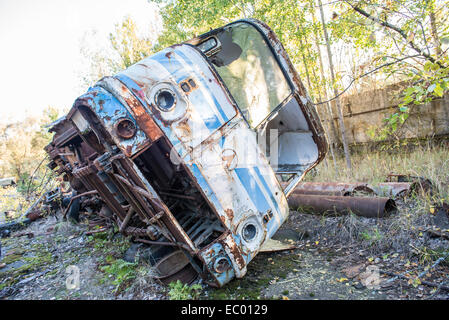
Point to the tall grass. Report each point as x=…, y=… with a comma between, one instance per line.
x=373, y=167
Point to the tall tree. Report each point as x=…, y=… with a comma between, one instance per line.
x=129, y=46
x=22, y=143
x=322, y=87
x=125, y=47
x=334, y=84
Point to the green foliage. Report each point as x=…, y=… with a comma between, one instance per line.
x=109, y=243
x=125, y=47
x=180, y=291
x=429, y=83
x=411, y=50
x=371, y=236
x=429, y=256
x=23, y=157
x=130, y=47
x=120, y=270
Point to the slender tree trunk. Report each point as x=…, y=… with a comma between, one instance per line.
x=329, y=113
x=329, y=119
x=334, y=85
x=433, y=29
x=304, y=61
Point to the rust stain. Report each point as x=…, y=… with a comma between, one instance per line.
x=101, y=102
x=157, y=115
x=129, y=150
x=184, y=126
x=144, y=120
x=234, y=250
x=230, y=214
x=139, y=93
x=223, y=219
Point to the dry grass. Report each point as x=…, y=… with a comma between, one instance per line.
x=373, y=167
x=402, y=232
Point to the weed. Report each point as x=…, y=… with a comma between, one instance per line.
x=108, y=242
x=120, y=270
x=180, y=291
x=428, y=256
x=371, y=236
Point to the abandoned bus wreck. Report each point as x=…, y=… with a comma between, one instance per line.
x=185, y=150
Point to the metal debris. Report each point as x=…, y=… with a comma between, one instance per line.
x=393, y=189
x=417, y=185
x=357, y=197
x=333, y=188
x=370, y=207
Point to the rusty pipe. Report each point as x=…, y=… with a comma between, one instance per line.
x=404, y=189
x=369, y=207
x=126, y=220
x=332, y=188
x=394, y=189
x=321, y=192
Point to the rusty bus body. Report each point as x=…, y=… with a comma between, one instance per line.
x=187, y=148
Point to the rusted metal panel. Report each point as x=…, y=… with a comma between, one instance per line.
x=144, y=120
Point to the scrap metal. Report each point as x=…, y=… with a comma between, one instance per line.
x=370, y=207
x=333, y=188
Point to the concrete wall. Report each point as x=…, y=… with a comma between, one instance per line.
x=368, y=109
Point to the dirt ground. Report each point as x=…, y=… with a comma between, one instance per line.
x=339, y=258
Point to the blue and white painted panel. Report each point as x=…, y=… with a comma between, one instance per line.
x=199, y=112
x=245, y=187
x=109, y=110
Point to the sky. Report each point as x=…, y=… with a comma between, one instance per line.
x=40, y=57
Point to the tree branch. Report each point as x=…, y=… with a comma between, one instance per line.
x=396, y=29
x=367, y=73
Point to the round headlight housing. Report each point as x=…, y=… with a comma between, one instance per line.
x=221, y=265
x=165, y=100
x=249, y=232
x=125, y=128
